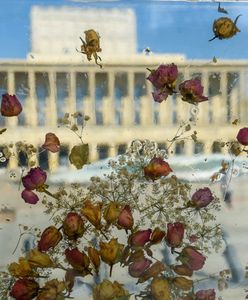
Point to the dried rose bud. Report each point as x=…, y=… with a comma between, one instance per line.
x=73, y=226
x=160, y=289
x=21, y=269
x=140, y=238
x=183, y=283
x=205, y=295
x=125, y=219
x=242, y=136
x=153, y=271
x=157, y=236
x=29, y=197
x=24, y=289
x=10, y=106
x=157, y=168
x=94, y=258
x=39, y=259
x=50, y=237
x=137, y=268
x=175, y=234
x=78, y=260
x=92, y=212
x=52, y=143
x=111, y=212
x=225, y=28
x=201, y=198
x=52, y=290
x=191, y=91
x=107, y=290
x=182, y=270
x=35, y=179
x=111, y=252
x=191, y=258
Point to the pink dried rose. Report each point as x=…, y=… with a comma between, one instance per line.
x=191, y=258
x=50, y=237
x=35, y=179
x=164, y=80
x=157, y=168
x=175, y=234
x=205, y=295
x=52, y=143
x=73, y=226
x=242, y=136
x=10, y=106
x=201, y=198
x=24, y=289
x=29, y=197
x=191, y=91
x=125, y=219
x=137, y=268
x=140, y=238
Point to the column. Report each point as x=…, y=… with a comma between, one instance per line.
x=53, y=161
x=234, y=104
x=31, y=102
x=71, y=101
x=13, y=160
x=243, y=98
x=204, y=107
x=182, y=109
x=207, y=149
x=11, y=121
x=89, y=102
x=113, y=150
x=189, y=148
x=51, y=101
x=128, y=108
x=93, y=153
x=146, y=110
x=108, y=105
x=166, y=112
x=218, y=112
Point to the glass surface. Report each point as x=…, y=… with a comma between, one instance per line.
x=40, y=63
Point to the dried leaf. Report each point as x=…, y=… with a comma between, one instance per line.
x=3, y=130
x=222, y=10
x=79, y=155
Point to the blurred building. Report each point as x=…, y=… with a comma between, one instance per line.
x=55, y=79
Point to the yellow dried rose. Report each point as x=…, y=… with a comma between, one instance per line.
x=107, y=290
x=52, y=290
x=39, y=259
x=111, y=252
x=92, y=213
x=21, y=269
x=160, y=289
x=112, y=212
x=183, y=283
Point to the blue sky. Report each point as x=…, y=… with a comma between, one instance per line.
x=164, y=27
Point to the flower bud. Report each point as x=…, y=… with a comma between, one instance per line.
x=73, y=226
x=183, y=283
x=125, y=219
x=205, y=295
x=157, y=236
x=29, y=196
x=107, y=290
x=160, y=289
x=157, y=168
x=49, y=239
x=39, y=259
x=35, y=179
x=52, y=290
x=201, y=198
x=92, y=213
x=191, y=258
x=94, y=258
x=175, y=234
x=111, y=252
x=52, y=143
x=24, y=289
x=137, y=268
x=78, y=260
x=242, y=136
x=153, y=271
x=21, y=269
x=112, y=212
x=191, y=91
x=10, y=106
x=182, y=270
x=140, y=238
